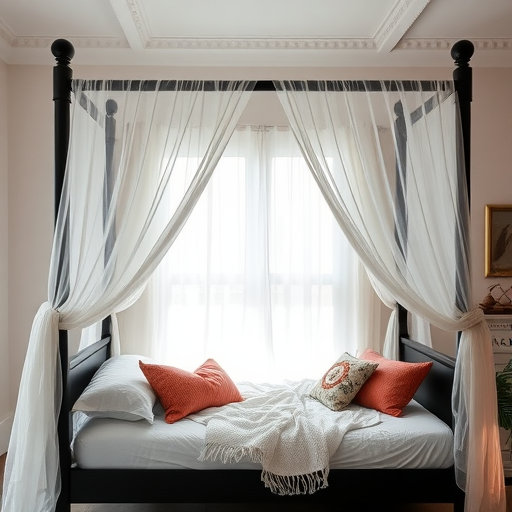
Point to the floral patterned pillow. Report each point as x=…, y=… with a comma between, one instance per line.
x=342, y=381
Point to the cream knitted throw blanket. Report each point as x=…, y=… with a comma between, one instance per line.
x=292, y=435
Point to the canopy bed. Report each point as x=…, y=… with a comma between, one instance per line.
x=451, y=391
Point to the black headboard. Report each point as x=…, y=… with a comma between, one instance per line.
x=435, y=391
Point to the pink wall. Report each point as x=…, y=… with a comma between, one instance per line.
x=30, y=128
x=491, y=165
x=5, y=409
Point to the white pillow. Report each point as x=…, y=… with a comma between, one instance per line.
x=118, y=390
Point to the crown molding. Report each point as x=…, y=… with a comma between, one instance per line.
x=138, y=19
x=493, y=44
x=393, y=19
x=260, y=44
x=6, y=34
x=14, y=41
x=443, y=44
x=78, y=42
x=184, y=43
x=128, y=18
x=397, y=23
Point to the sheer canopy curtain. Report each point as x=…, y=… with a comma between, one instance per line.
x=418, y=252
x=261, y=278
x=88, y=282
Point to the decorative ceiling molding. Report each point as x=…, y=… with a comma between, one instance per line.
x=260, y=44
x=15, y=41
x=6, y=34
x=398, y=22
x=492, y=44
x=443, y=44
x=139, y=20
x=181, y=43
x=128, y=18
x=78, y=42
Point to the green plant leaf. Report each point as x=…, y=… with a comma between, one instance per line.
x=504, y=396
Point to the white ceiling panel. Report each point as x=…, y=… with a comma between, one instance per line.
x=264, y=18
x=42, y=18
x=478, y=19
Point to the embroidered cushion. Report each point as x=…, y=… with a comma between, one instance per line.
x=393, y=384
x=181, y=392
x=342, y=381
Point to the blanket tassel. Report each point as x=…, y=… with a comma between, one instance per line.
x=296, y=484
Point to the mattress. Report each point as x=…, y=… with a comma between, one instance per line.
x=416, y=439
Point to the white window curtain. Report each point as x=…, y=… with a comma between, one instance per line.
x=261, y=278
x=420, y=255
x=87, y=283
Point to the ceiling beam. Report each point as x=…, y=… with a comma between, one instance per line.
x=7, y=40
x=129, y=18
x=397, y=23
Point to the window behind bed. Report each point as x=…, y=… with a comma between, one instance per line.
x=261, y=277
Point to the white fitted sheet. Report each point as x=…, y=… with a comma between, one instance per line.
x=417, y=439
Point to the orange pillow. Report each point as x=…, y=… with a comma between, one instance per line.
x=392, y=385
x=182, y=393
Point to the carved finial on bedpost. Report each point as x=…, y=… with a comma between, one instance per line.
x=63, y=51
x=462, y=51
x=111, y=107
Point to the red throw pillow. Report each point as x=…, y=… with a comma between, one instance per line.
x=392, y=385
x=182, y=393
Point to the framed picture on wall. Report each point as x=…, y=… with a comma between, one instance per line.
x=498, y=240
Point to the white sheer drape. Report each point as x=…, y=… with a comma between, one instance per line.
x=420, y=256
x=422, y=263
x=88, y=282
x=261, y=278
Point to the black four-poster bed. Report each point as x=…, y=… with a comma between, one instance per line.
x=366, y=488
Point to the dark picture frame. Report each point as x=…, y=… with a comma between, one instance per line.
x=498, y=240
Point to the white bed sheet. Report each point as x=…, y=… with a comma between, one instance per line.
x=417, y=439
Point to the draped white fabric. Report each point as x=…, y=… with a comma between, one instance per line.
x=417, y=249
x=261, y=278
x=102, y=257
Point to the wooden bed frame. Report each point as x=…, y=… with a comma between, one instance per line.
x=358, y=487
x=245, y=486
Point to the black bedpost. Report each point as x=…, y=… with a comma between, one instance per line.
x=63, y=52
x=110, y=140
x=401, y=211
x=461, y=52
